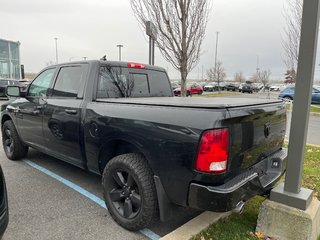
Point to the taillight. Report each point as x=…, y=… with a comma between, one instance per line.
x=213, y=151
x=136, y=65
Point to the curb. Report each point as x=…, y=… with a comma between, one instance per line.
x=307, y=144
x=315, y=114
x=195, y=225
x=310, y=114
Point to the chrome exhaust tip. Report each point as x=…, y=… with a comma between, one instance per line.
x=239, y=207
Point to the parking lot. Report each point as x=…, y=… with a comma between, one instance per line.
x=50, y=199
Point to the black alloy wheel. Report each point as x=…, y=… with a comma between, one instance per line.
x=125, y=195
x=8, y=141
x=12, y=145
x=129, y=191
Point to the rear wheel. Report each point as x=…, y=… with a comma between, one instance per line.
x=129, y=191
x=12, y=145
x=288, y=98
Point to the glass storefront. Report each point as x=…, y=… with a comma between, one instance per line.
x=9, y=60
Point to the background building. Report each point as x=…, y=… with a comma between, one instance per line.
x=9, y=60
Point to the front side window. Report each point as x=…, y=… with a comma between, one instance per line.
x=68, y=82
x=41, y=84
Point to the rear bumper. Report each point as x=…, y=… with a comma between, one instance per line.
x=259, y=179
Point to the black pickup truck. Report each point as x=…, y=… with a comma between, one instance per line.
x=153, y=150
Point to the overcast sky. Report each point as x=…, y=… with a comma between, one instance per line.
x=249, y=29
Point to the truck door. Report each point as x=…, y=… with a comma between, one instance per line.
x=62, y=114
x=29, y=115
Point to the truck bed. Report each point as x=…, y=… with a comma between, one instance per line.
x=192, y=102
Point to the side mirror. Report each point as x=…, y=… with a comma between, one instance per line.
x=13, y=91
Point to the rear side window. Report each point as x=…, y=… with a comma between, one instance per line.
x=159, y=84
x=68, y=82
x=116, y=82
x=140, y=86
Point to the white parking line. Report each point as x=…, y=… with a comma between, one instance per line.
x=147, y=232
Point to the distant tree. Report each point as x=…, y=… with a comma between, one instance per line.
x=238, y=77
x=217, y=74
x=291, y=39
x=50, y=63
x=30, y=75
x=263, y=76
x=181, y=28
x=290, y=76
x=211, y=74
x=254, y=77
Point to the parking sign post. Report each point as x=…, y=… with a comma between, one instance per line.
x=291, y=192
x=151, y=31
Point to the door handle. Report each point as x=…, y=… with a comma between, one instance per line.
x=71, y=111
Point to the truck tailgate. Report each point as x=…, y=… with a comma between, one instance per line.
x=256, y=132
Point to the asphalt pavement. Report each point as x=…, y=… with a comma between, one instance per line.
x=313, y=136
x=42, y=207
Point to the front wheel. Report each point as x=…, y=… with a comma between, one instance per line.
x=12, y=145
x=129, y=191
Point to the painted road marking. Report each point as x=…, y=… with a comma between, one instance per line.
x=147, y=232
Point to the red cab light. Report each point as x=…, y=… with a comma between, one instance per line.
x=136, y=65
x=213, y=151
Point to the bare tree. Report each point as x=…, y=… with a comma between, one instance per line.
x=238, y=77
x=181, y=28
x=263, y=76
x=211, y=74
x=291, y=39
x=217, y=73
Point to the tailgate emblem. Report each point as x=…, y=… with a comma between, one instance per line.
x=267, y=129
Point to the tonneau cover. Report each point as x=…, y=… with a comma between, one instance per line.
x=192, y=102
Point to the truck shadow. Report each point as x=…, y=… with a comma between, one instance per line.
x=92, y=183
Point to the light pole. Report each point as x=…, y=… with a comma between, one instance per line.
x=257, y=69
x=120, y=46
x=215, y=60
x=56, y=41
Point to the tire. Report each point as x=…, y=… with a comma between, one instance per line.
x=128, y=180
x=12, y=145
x=288, y=98
x=200, y=92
